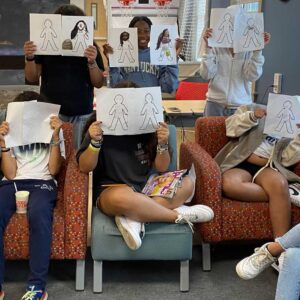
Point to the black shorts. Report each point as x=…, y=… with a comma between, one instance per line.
x=249, y=167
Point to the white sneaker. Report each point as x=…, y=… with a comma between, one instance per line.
x=193, y=214
x=254, y=264
x=131, y=231
x=294, y=190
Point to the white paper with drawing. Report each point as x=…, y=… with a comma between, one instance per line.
x=125, y=45
x=222, y=24
x=77, y=34
x=283, y=113
x=29, y=122
x=45, y=32
x=163, y=44
x=129, y=111
x=248, y=32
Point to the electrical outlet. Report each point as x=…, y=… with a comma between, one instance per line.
x=277, y=83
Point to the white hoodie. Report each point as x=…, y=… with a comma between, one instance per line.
x=230, y=76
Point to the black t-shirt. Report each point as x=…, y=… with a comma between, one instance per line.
x=66, y=81
x=122, y=159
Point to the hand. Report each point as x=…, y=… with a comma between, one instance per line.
x=107, y=49
x=162, y=133
x=55, y=124
x=179, y=45
x=29, y=49
x=95, y=131
x=267, y=38
x=207, y=34
x=90, y=53
x=259, y=113
x=4, y=128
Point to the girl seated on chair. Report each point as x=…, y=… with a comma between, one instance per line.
x=121, y=166
x=254, y=165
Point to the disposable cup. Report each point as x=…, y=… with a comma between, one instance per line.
x=22, y=201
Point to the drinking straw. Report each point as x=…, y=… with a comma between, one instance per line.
x=15, y=187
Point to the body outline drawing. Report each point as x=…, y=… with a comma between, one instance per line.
x=119, y=111
x=149, y=111
x=285, y=115
x=49, y=34
x=126, y=47
x=164, y=43
x=80, y=34
x=226, y=28
x=251, y=32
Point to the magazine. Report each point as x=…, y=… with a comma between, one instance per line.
x=164, y=185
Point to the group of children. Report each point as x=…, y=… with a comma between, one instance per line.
x=122, y=164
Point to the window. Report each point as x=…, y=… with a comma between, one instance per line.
x=191, y=19
x=249, y=5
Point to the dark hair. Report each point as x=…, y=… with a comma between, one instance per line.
x=69, y=10
x=160, y=37
x=138, y=19
x=122, y=37
x=75, y=29
x=29, y=96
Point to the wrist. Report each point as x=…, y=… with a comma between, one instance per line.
x=92, y=65
x=96, y=144
x=161, y=148
x=29, y=58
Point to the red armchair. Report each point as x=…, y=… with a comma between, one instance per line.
x=234, y=220
x=69, y=237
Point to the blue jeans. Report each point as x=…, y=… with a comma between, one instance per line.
x=216, y=109
x=78, y=126
x=288, y=285
x=42, y=197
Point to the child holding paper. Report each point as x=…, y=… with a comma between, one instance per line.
x=121, y=166
x=31, y=168
x=66, y=80
x=255, y=166
x=146, y=74
x=230, y=76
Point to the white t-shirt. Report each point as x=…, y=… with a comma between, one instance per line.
x=266, y=147
x=32, y=160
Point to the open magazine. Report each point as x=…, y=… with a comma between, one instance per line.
x=164, y=185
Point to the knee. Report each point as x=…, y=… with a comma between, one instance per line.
x=119, y=199
x=293, y=255
x=228, y=185
x=188, y=185
x=277, y=185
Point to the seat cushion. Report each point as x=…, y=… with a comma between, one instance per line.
x=162, y=241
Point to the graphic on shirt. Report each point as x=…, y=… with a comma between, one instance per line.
x=252, y=34
x=118, y=111
x=149, y=111
x=124, y=42
x=129, y=111
x=126, y=48
x=225, y=30
x=80, y=36
x=163, y=51
x=48, y=34
x=283, y=115
x=286, y=116
x=164, y=45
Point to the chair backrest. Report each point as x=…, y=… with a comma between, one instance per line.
x=191, y=90
x=210, y=134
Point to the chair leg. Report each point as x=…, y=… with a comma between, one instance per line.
x=184, y=276
x=80, y=274
x=206, y=259
x=97, y=280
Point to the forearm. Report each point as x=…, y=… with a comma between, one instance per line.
x=8, y=165
x=88, y=160
x=208, y=66
x=32, y=72
x=162, y=161
x=55, y=160
x=96, y=75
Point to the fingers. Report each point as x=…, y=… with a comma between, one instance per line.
x=267, y=38
x=207, y=34
x=4, y=128
x=259, y=113
x=95, y=131
x=29, y=49
x=55, y=123
x=107, y=49
x=91, y=53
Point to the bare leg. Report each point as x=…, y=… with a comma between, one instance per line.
x=276, y=187
x=118, y=201
x=237, y=185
